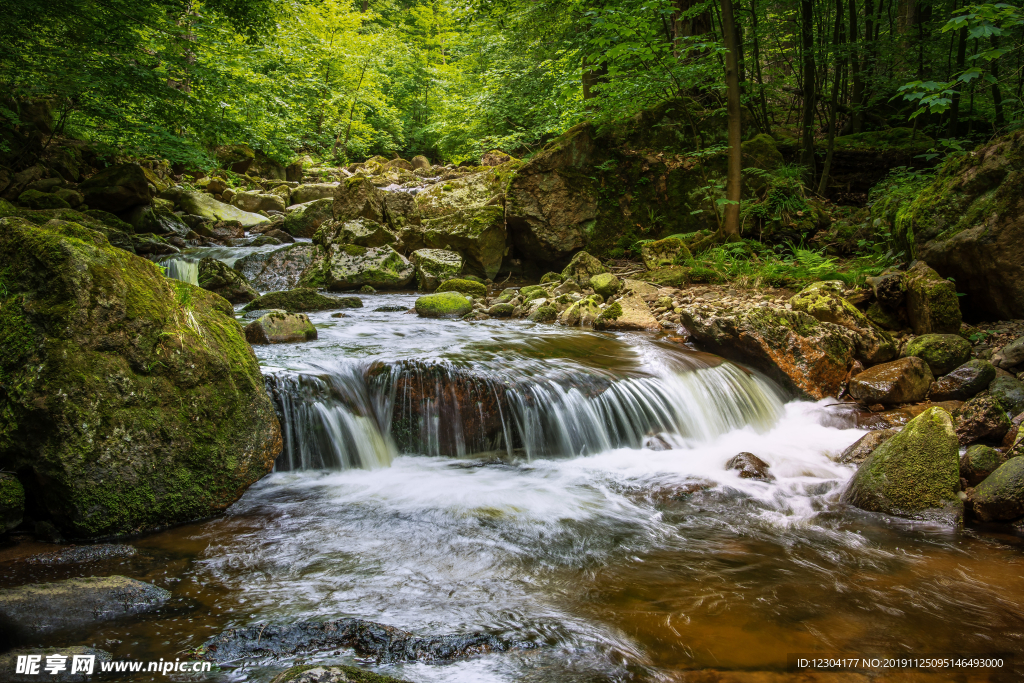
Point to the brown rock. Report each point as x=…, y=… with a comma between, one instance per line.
x=750, y=467
x=861, y=449
x=981, y=419
x=902, y=381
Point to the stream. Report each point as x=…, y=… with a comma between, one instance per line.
x=565, y=488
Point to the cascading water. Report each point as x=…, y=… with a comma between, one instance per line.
x=181, y=269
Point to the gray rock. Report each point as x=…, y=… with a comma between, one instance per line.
x=966, y=381
x=276, y=270
x=1009, y=392
x=1010, y=355
x=84, y=553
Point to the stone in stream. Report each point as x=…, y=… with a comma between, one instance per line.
x=582, y=267
x=9, y=664
x=467, y=287
x=981, y=419
x=139, y=403
x=859, y=451
x=1000, y=497
x=303, y=194
x=583, y=313
x=202, y=204
x=543, y=314
x=385, y=644
x=41, y=608
x=969, y=379
x=906, y=380
x=915, y=474
x=158, y=218
x=824, y=301
x=302, y=300
x=361, y=232
x=978, y=462
x=358, y=198
x=478, y=234
x=276, y=270
x=322, y=673
x=254, y=202
x=303, y=220
x=605, y=284
x=434, y=266
x=75, y=554
x=215, y=276
x=750, y=467
x=280, y=327
x=443, y=305
x=341, y=267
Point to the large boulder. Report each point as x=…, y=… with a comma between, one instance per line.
x=253, y=202
x=303, y=194
x=132, y=400
x=278, y=269
x=906, y=380
x=969, y=379
x=280, y=327
x=202, y=204
x=968, y=224
x=915, y=474
x=157, y=218
x=1000, y=497
x=932, y=304
x=117, y=188
x=357, y=197
x=36, y=200
x=434, y=266
x=361, y=232
x=981, y=419
x=302, y=300
x=478, y=234
x=826, y=303
x=341, y=267
x=215, y=276
x=942, y=352
x=469, y=191
x=303, y=220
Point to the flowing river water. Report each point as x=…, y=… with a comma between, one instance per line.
x=566, y=488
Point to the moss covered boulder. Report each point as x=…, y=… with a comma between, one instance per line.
x=583, y=313
x=670, y=251
x=215, y=276
x=361, y=232
x=1000, y=497
x=443, y=305
x=303, y=300
x=280, y=327
x=825, y=302
x=254, y=202
x=963, y=382
x=915, y=474
x=303, y=220
x=500, y=310
x=467, y=287
x=303, y=194
x=34, y=199
x=982, y=418
x=343, y=267
x=478, y=234
x=132, y=401
x=358, y=198
x=544, y=314
x=202, y=204
x=117, y=188
x=932, y=303
x=582, y=267
x=906, y=380
x=605, y=284
x=470, y=191
x=434, y=266
x=942, y=352
x=157, y=218
x=978, y=462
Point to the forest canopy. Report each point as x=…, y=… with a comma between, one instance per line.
x=345, y=79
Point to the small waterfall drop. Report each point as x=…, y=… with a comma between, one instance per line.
x=180, y=269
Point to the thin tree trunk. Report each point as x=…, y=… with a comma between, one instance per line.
x=858, y=80
x=757, y=70
x=733, y=189
x=807, y=133
x=837, y=38
x=954, y=106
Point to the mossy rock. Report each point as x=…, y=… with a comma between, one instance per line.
x=982, y=418
x=305, y=219
x=942, y=352
x=1009, y=392
x=473, y=289
x=215, y=276
x=280, y=327
x=670, y=251
x=666, y=276
x=133, y=397
x=1000, y=497
x=544, y=314
x=915, y=474
x=978, y=462
x=343, y=267
x=302, y=300
x=606, y=284
x=583, y=267
x=34, y=199
x=443, y=305
x=554, y=278
x=12, y=502
x=932, y=304
x=434, y=266
x=117, y=188
x=507, y=295
x=501, y=310
x=477, y=233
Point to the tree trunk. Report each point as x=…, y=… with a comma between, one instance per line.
x=997, y=95
x=757, y=70
x=807, y=133
x=837, y=39
x=954, y=106
x=855, y=68
x=731, y=224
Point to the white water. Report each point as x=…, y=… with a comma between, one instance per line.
x=180, y=269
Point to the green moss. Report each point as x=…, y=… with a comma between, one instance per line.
x=550, y=277
x=443, y=305
x=613, y=312
x=544, y=314
x=353, y=250
x=605, y=284
x=34, y=199
x=473, y=289
x=942, y=352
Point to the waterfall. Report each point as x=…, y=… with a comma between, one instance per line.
x=180, y=269
x=363, y=415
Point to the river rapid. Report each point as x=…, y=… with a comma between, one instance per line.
x=565, y=488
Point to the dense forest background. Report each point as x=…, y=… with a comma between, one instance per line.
x=341, y=80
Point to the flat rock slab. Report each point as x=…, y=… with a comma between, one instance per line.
x=385, y=644
x=41, y=608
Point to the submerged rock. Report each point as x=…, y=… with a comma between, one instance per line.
x=385, y=644
x=443, y=305
x=969, y=379
x=915, y=474
x=133, y=400
x=215, y=276
x=302, y=300
x=906, y=380
x=750, y=467
x=280, y=327
x=76, y=554
x=40, y=608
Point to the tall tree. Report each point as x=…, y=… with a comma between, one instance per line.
x=807, y=124
x=734, y=178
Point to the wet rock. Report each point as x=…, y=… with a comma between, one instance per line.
x=390, y=309
x=859, y=451
x=279, y=327
x=385, y=644
x=215, y=276
x=434, y=266
x=467, y=287
x=105, y=348
x=152, y=245
x=750, y=467
x=40, y=608
x=265, y=240
x=582, y=267
x=117, y=188
x=978, y=462
x=1000, y=497
x=280, y=235
x=966, y=381
x=932, y=303
x=276, y=270
x=981, y=419
x=303, y=220
x=1009, y=392
x=906, y=380
x=9, y=662
x=942, y=352
x=567, y=287
x=12, y=502
x=367, y=289
x=342, y=267
x=302, y=300
x=157, y=218
x=897, y=417
x=309, y=673
x=500, y=310
x=303, y=194
x=583, y=313
x=1011, y=355
x=605, y=284
x=360, y=232
x=544, y=314
x=76, y=554
x=443, y=305
x=478, y=234
x=628, y=312
x=202, y=204
x=915, y=474
x=889, y=289
x=552, y=278
x=824, y=301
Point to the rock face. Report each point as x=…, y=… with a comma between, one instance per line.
x=434, y=266
x=478, y=234
x=134, y=400
x=628, y=312
x=216, y=277
x=932, y=303
x=278, y=269
x=981, y=419
x=859, y=451
x=302, y=300
x=303, y=220
x=825, y=302
x=342, y=267
x=964, y=382
x=915, y=474
x=942, y=352
x=117, y=188
x=1000, y=497
x=968, y=224
x=902, y=381
x=279, y=327
x=443, y=305
x=40, y=608
x=202, y=204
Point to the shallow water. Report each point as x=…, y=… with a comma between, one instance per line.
x=625, y=563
